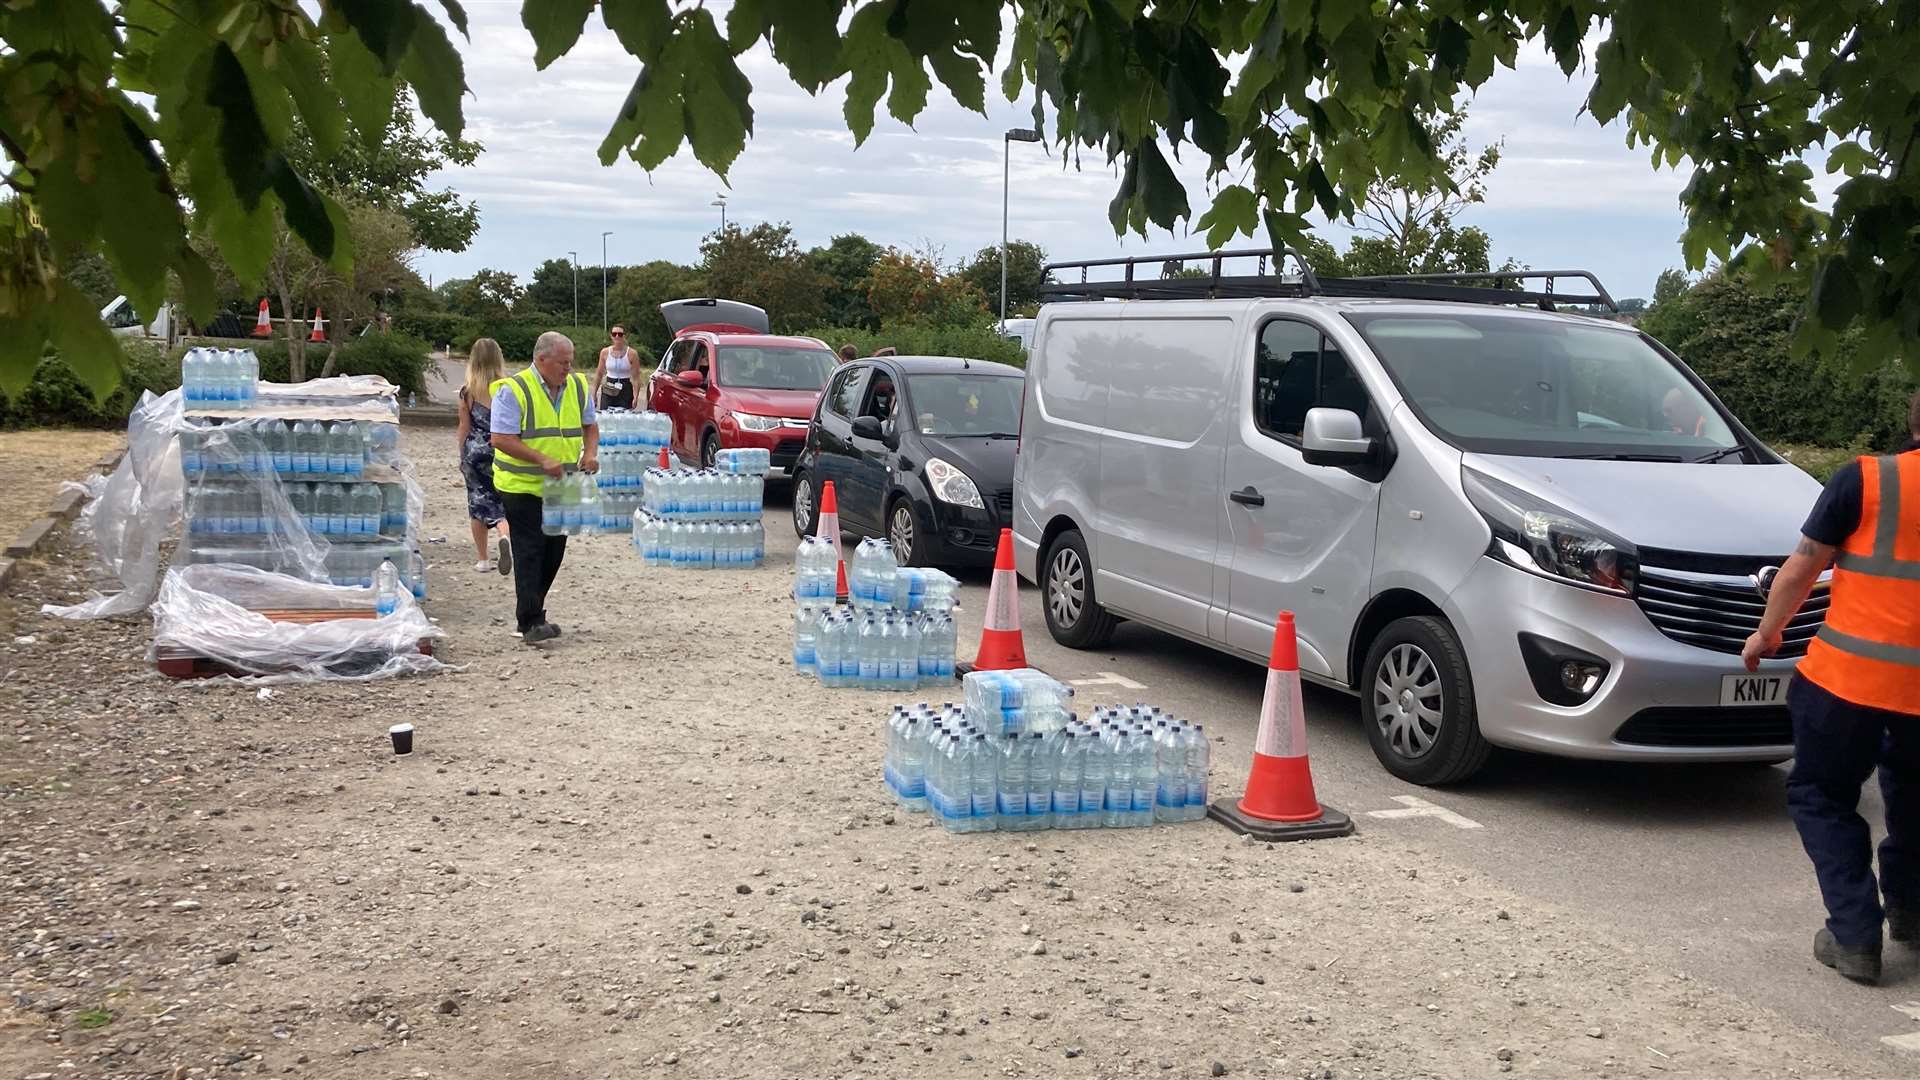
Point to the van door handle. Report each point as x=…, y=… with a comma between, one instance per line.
x=1247, y=496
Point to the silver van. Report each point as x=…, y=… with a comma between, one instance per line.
x=1497, y=524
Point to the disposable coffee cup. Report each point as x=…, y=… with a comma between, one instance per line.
x=402, y=735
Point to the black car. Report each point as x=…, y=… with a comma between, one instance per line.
x=920, y=451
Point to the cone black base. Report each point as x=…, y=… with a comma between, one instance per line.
x=1330, y=823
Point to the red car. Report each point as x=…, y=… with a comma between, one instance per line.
x=728, y=383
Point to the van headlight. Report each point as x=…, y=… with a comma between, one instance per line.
x=950, y=485
x=1537, y=536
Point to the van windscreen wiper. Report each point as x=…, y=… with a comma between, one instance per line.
x=1716, y=455
x=1622, y=457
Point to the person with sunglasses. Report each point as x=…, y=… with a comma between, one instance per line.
x=613, y=379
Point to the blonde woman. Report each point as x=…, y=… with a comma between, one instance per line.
x=485, y=366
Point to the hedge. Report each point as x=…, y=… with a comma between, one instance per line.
x=516, y=338
x=1737, y=339
x=975, y=341
x=55, y=398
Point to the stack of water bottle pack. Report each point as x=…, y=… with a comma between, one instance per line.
x=896, y=634
x=219, y=378
x=1014, y=759
x=629, y=443
x=703, y=519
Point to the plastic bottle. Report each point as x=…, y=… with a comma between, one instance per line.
x=1014, y=764
x=1039, y=781
x=393, y=509
x=1069, y=774
x=280, y=446
x=339, y=439
x=386, y=596
x=867, y=652
x=368, y=508
x=805, y=643
x=1198, y=757
x=913, y=764
x=982, y=784
x=1145, y=775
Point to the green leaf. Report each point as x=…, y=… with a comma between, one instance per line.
x=718, y=115
x=459, y=16
x=746, y=23
x=651, y=122
x=198, y=291
x=23, y=341
x=1235, y=211
x=643, y=26
x=139, y=216
x=270, y=100
x=245, y=237
x=384, y=27
x=312, y=216
x=1322, y=189
x=1162, y=197
x=806, y=41
x=555, y=26
x=1335, y=15
x=86, y=346
x=302, y=69
x=434, y=71
x=366, y=90
x=242, y=140
x=962, y=78
x=1836, y=295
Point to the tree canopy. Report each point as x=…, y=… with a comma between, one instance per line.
x=123, y=118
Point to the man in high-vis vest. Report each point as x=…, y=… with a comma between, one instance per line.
x=1856, y=702
x=543, y=425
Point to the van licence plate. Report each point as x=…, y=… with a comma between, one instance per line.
x=1754, y=689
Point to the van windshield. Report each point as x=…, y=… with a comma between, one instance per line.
x=765, y=367
x=1496, y=384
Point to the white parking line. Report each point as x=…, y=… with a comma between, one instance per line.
x=1910, y=1008
x=1903, y=1042
x=1413, y=807
x=1108, y=678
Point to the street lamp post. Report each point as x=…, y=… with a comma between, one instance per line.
x=574, y=257
x=1012, y=136
x=603, y=281
x=721, y=202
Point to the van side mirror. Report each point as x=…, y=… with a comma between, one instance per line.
x=868, y=427
x=1334, y=437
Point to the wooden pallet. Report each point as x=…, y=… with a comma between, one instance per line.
x=178, y=662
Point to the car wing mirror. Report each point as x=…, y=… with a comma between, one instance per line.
x=1334, y=437
x=868, y=427
x=691, y=377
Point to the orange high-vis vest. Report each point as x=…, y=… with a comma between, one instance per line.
x=1869, y=651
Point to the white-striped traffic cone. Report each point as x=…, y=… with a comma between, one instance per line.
x=263, y=326
x=1280, y=803
x=1001, y=646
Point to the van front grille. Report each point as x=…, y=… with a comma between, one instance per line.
x=1719, y=611
x=1003, y=501
x=1670, y=725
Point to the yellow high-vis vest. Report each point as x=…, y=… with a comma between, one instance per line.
x=556, y=432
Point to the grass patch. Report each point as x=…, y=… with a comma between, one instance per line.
x=1821, y=462
x=94, y=1019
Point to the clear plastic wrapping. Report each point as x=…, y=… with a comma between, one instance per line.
x=303, y=483
x=218, y=613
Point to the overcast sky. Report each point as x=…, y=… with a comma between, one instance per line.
x=1568, y=193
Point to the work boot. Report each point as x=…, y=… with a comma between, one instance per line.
x=1860, y=963
x=540, y=632
x=1903, y=924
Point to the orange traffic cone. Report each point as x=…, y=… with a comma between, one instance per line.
x=665, y=461
x=319, y=327
x=1280, y=803
x=263, y=326
x=828, y=527
x=1001, y=646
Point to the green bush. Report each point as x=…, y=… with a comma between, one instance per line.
x=55, y=398
x=401, y=359
x=975, y=341
x=437, y=328
x=1737, y=337
x=517, y=336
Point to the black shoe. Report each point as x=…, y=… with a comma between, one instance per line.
x=505, y=559
x=547, y=632
x=1860, y=963
x=1903, y=924
x=553, y=629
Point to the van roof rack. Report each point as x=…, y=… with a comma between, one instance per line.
x=1492, y=287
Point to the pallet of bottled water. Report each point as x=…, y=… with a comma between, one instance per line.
x=338, y=512
x=1128, y=767
x=875, y=579
x=640, y=434
x=699, y=545
x=708, y=495
x=289, y=449
x=629, y=444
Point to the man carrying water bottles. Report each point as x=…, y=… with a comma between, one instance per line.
x=543, y=425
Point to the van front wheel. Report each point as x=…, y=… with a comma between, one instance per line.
x=1074, y=617
x=1416, y=699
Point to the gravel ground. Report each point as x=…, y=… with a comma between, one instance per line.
x=33, y=464
x=650, y=849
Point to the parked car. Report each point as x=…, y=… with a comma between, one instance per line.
x=1497, y=526
x=920, y=450
x=726, y=382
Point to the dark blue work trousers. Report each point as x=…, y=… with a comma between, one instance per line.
x=1836, y=746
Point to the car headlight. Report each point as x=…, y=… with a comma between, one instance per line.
x=950, y=485
x=752, y=422
x=1535, y=535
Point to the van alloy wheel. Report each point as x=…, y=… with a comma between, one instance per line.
x=1066, y=586
x=803, y=506
x=1408, y=701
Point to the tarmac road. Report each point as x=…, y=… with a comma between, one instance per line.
x=1698, y=864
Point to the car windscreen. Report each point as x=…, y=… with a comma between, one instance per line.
x=774, y=367
x=964, y=404
x=1536, y=387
